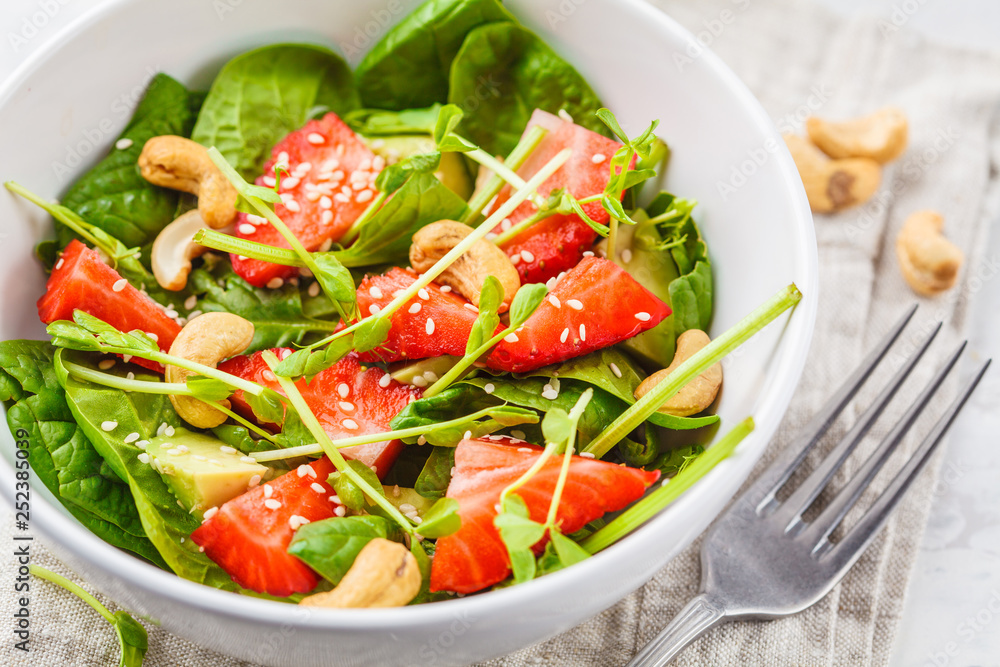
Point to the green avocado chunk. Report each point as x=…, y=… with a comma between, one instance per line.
x=202, y=471
x=452, y=172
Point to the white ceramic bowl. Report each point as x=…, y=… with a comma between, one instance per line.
x=61, y=110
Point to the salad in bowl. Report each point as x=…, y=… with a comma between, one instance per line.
x=379, y=337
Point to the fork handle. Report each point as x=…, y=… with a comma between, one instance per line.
x=698, y=616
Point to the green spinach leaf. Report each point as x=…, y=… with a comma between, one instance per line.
x=261, y=96
x=331, y=545
x=382, y=123
x=502, y=73
x=436, y=474
x=113, y=195
x=408, y=69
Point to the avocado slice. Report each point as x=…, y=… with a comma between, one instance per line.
x=202, y=471
x=452, y=171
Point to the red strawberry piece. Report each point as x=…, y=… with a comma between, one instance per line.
x=249, y=535
x=475, y=557
x=424, y=327
x=558, y=242
x=81, y=281
x=347, y=399
x=329, y=185
x=595, y=305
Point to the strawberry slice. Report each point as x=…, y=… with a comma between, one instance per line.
x=475, y=557
x=558, y=242
x=249, y=535
x=329, y=185
x=347, y=399
x=424, y=327
x=81, y=281
x=594, y=305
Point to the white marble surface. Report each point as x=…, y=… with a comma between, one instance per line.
x=952, y=615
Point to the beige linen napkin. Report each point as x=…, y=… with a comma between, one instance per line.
x=799, y=60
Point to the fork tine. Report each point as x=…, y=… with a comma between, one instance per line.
x=762, y=492
x=833, y=514
x=800, y=500
x=846, y=552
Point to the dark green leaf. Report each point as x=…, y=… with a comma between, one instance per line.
x=380, y=122
x=208, y=389
x=133, y=639
x=393, y=177
x=350, y=493
x=441, y=520
x=673, y=461
x=557, y=427
x=526, y=301
x=262, y=95
x=490, y=299
x=371, y=333
x=267, y=407
x=436, y=474
x=331, y=545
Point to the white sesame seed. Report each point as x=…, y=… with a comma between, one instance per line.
x=365, y=165
x=272, y=504
x=198, y=457
x=614, y=369
x=246, y=228
x=269, y=376
x=156, y=339
x=312, y=195
x=419, y=381
x=598, y=158
x=269, y=181
x=60, y=263
x=248, y=459
x=587, y=455
x=305, y=469
x=226, y=449
x=215, y=462
x=626, y=256
x=527, y=256
x=421, y=440
x=515, y=258
x=350, y=424
x=131, y=437
x=489, y=387
x=574, y=304
x=326, y=217
x=564, y=336
x=445, y=288
x=254, y=481
x=288, y=184
x=141, y=444
x=119, y=285
x=406, y=507
x=130, y=375
x=316, y=138
x=347, y=406
x=374, y=309
x=565, y=116
x=106, y=364
x=303, y=168
x=275, y=283
x=375, y=292
x=341, y=197
x=326, y=245
x=378, y=164
x=343, y=390
x=123, y=144
x=551, y=394
x=144, y=457
x=363, y=196
x=293, y=206
x=325, y=202
x=422, y=293
x=588, y=253
x=583, y=332
x=313, y=290
x=210, y=512
x=384, y=380
x=317, y=487
x=268, y=490
x=643, y=317
x=340, y=510
x=511, y=337
x=283, y=158
x=414, y=308
x=469, y=306
x=191, y=302
x=335, y=498
x=429, y=327
x=109, y=425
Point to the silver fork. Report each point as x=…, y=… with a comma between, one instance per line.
x=760, y=560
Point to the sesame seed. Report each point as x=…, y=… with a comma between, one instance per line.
x=364, y=196
x=144, y=457
x=60, y=263
x=216, y=462
x=293, y=206
x=574, y=304
x=407, y=507
x=564, y=336
x=334, y=498
x=191, y=302
x=272, y=504
x=288, y=184
x=106, y=364
x=303, y=168
x=268, y=490
x=341, y=197
x=374, y=309
x=429, y=327
x=198, y=457
x=526, y=450
x=141, y=444
x=588, y=253
x=527, y=256
x=156, y=339
x=511, y=337
x=414, y=309
x=378, y=164
x=130, y=375
x=515, y=258
x=312, y=195
x=119, y=285
x=275, y=283
x=375, y=292
x=283, y=158
x=365, y=165
x=340, y=510
x=551, y=394
x=384, y=380
x=131, y=437
x=305, y=469
x=248, y=459
x=313, y=290
x=350, y=424
x=626, y=256
x=316, y=138
x=226, y=449
x=269, y=376
x=420, y=381
x=587, y=455
x=583, y=332
x=598, y=158
x=489, y=387
x=269, y=181
x=317, y=487
x=210, y=512
x=614, y=369
x=326, y=245
x=123, y=144
x=343, y=390
x=421, y=440
x=422, y=293
x=347, y=407
x=565, y=116
x=446, y=288
x=326, y=217
x=325, y=202
x=469, y=306
x=246, y=228
x=643, y=317
x=109, y=426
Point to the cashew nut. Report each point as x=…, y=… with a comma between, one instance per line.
x=929, y=261
x=384, y=574
x=182, y=164
x=697, y=394
x=207, y=340
x=467, y=273
x=832, y=185
x=880, y=136
x=173, y=250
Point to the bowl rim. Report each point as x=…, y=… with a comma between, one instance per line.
x=771, y=407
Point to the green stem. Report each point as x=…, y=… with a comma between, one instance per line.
x=510, y=234
x=116, y=382
x=698, y=363
x=546, y=454
x=339, y=462
x=648, y=507
x=62, y=581
x=525, y=147
x=247, y=248
x=250, y=426
x=574, y=417
x=613, y=222
x=459, y=369
x=193, y=366
x=351, y=235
